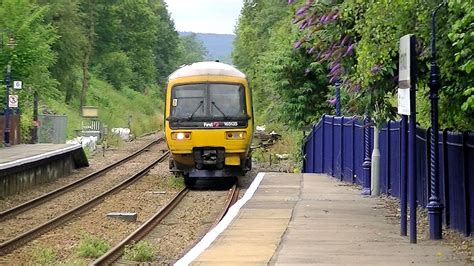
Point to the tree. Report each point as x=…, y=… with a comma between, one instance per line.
x=32, y=57
x=191, y=50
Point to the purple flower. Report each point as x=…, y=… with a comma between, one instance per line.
x=333, y=78
x=322, y=18
x=349, y=50
x=298, y=44
x=344, y=40
x=301, y=11
x=296, y=20
x=335, y=69
x=291, y=2
x=311, y=50
x=357, y=88
x=303, y=25
x=332, y=101
x=376, y=69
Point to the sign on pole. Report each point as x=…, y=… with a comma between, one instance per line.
x=404, y=75
x=13, y=101
x=17, y=84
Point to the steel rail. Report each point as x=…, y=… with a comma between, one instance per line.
x=116, y=252
x=232, y=197
x=13, y=243
x=55, y=193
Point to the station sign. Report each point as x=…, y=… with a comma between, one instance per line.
x=17, y=84
x=13, y=101
x=404, y=74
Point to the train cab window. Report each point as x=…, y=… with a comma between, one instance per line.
x=199, y=102
x=226, y=100
x=188, y=101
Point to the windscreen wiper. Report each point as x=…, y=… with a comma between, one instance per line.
x=219, y=109
x=195, y=110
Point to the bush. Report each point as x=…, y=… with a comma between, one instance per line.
x=141, y=251
x=91, y=247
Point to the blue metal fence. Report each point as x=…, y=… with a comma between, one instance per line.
x=336, y=146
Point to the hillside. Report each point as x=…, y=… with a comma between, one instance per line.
x=218, y=46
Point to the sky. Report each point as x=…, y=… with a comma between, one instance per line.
x=205, y=16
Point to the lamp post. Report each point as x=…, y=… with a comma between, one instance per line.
x=367, y=164
x=6, y=135
x=435, y=208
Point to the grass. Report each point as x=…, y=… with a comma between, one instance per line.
x=289, y=143
x=91, y=247
x=44, y=255
x=141, y=252
x=117, y=108
x=175, y=182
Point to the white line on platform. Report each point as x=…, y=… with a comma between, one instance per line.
x=39, y=156
x=207, y=240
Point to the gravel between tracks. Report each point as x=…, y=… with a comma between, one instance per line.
x=144, y=197
x=71, y=199
x=99, y=160
x=186, y=225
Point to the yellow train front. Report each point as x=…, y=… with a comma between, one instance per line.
x=208, y=121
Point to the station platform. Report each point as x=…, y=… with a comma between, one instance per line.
x=311, y=219
x=22, y=166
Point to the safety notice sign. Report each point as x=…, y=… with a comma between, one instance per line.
x=13, y=101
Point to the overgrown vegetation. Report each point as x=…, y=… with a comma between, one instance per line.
x=91, y=247
x=93, y=52
x=140, y=252
x=295, y=51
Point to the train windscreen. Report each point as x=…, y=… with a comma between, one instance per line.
x=200, y=102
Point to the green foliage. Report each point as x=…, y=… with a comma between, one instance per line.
x=91, y=247
x=32, y=56
x=116, y=68
x=141, y=252
x=75, y=51
x=370, y=76
x=285, y=87
x=44, y=255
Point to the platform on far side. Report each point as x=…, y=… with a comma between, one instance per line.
x=26, y=165
x=313, y=219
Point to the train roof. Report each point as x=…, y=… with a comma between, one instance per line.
x=207, y=68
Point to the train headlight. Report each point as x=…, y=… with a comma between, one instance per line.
x=235, y=135
x=181, y=135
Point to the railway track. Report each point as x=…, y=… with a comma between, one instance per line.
x=116, y=252
x=21, y=239
x=55, y=193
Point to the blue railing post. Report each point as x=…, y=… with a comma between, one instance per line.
x=353, y=151
x=338, y=97
x=403, y=175
x=467, y=192
x=332, y=146
x=366, y=166
x=323, y=141
x=341, y=147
